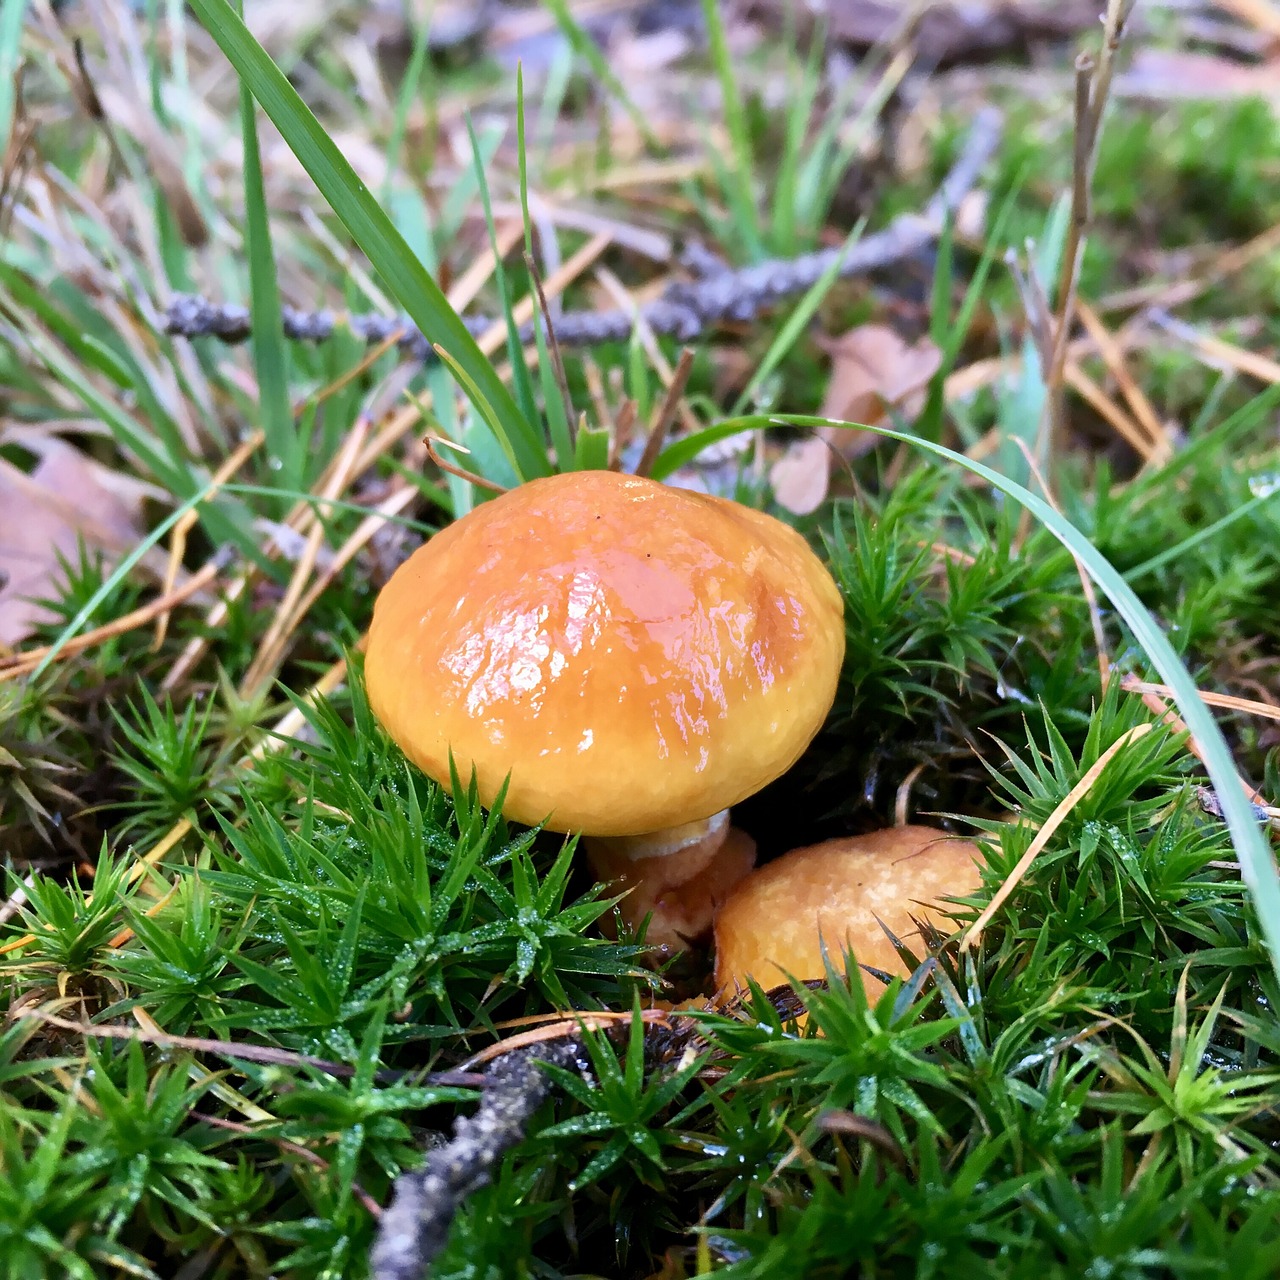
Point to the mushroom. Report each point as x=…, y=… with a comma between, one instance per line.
x=630, y=659
x=776, y=922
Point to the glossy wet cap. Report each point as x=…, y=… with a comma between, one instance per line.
x=635, y=656
x=775, y=922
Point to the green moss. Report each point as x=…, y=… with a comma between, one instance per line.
x=1092, y=1089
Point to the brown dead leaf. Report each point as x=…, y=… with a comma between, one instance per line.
x=66, y=498
x=947, y=35
x=1262, y=14
x=800, y=476
x=1164, y=75
x=872, y=371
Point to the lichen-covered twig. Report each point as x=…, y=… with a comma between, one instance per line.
x=685, y=311
x=415, y=1226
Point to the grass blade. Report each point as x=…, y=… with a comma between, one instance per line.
x=403, y=274
x=587, y=49
x=405, y=97
x=117, y=576
x=557, y=419
x=483, y=408
x=591, y=450
x=739, y=180
x=270, y=355
x=12, y=15
x=515, y=352
x=1210, y=531
x=1257, y=867
x=797, y=321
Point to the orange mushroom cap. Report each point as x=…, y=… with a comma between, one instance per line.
x=776, y=921
x=634, y=656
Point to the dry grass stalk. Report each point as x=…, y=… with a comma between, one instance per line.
x=973, y=934
x=1093, y=87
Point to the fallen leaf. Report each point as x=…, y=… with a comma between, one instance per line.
x=67, y=498
x=872, y=371
x=1166, y=74
x=946, y=35
x=800, y=476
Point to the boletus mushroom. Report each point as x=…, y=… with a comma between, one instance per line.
x=632, y=659
x=778, y=918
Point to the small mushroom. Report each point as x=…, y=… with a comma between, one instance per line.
x=777, y=920
x=634, y=658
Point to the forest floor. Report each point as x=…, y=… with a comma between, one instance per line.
x=257, y=966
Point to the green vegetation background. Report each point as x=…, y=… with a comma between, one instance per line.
x=1093, y=1093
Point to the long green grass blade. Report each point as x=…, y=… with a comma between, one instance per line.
x=797, y=321
x=402, y=273
x=1257, y=866
x=520, y=379
x=802, y=92
x=1207, y=534
x=591, y=449
x=270, y=355
x=587, y=49
x=838, y=143
x=741, y=177
x=557, y=415
x=949, y=334
x=404, y=98
x=483, y=408
x=12, y=15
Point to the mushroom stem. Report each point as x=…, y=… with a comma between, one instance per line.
x=691, y=840
x=677, y=876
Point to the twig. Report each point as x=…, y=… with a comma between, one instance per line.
x=415, y=1226
x=275, y=641
x=623, y=423
x=266, y=1054
x=182, y=530
x=667, y=411
x=553, y=344
x=685, y=311
x=1154, y=703
x=453, y=469
x=286, y=1144
x=1215, y=353
x=1093, y=87
x=1131, y=684
x=25, y=661
x=1140, y=406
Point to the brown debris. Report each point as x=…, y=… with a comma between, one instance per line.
x=66, y=500
x=1165, y=75
x=949, y=35
x=873, y=372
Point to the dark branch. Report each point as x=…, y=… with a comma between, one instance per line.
x=416, y=1224
x=685, y=311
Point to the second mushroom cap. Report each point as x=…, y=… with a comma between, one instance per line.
x=778, y=919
